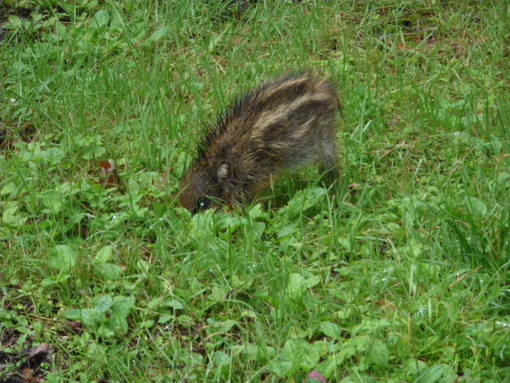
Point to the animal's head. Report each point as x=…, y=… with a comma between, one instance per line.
x=203, y=186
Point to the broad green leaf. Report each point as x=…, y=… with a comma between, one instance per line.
x=304, y=200
x=331, y=329
x=185, y=320
x=218, y=294
x=155, y=303
x=431, y=374
x=157, y=35
x=345, y=243
x=11, y=217
x=476, y=207
x=52, y=156
x=175, y=304
x=256, y=212
x=92, y=151
x=220, y=358
x=104, y=303
x=63, y=258
x=301, y=353
x=61, y=30
x=146, y=324
x=280, y=366
x=202, y=224
x=312, y=281
x=165, y=318
x=110, y=271
x=225, y=326
x=9, y=188
x=14, y=22
x=295, y=285
x=257, y=228
x=379, y=353
x=89, y=317
x=112, y=326
x=101, y=18
x=53, y=201
x=104, y=254
x=122, y=306
x=287, y=230
x=143, y=266
x=503, y=177
x=254, y=352
x=55, y=280
x=230, y=223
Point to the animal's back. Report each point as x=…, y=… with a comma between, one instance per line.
x=282, y=122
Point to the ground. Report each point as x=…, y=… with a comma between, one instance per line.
x=399, y=274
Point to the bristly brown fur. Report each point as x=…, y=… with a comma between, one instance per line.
x=281, y=124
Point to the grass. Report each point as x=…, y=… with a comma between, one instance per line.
x=401, y=276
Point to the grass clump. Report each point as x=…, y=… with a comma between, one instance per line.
x=401, y=276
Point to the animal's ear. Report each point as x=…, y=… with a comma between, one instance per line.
x=223, y=171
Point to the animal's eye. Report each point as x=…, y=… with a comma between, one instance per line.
x=203, y=203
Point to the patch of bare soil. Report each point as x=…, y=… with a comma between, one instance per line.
x=10, y=135
x=22, y=366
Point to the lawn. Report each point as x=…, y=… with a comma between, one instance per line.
x=400, y=274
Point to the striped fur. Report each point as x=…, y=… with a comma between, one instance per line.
x=282, y=124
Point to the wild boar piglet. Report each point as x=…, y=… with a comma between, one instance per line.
x=285, y=123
